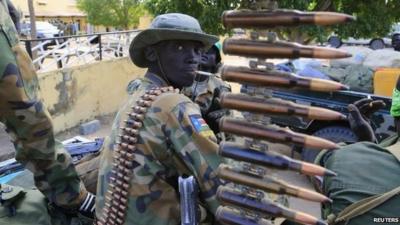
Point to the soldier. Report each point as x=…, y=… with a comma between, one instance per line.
x=173, y=139
x=396, y=42
x=206, y=90
x=27, y=119
x=365, y=190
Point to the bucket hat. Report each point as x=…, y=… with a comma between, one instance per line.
x=170, y=26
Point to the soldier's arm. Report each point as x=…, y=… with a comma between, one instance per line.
x=206, y=99
x=25, y=116
x=15, y=15
x=196, y=146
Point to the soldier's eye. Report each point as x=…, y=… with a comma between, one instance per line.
x=180, y=47
x=198, y=50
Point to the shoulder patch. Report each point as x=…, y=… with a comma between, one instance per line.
x=200, y=125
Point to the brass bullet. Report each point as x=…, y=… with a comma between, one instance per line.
x=270, y=159
x=138, y=109
x=143, y=103
x=273, y=134
x=275, y=106
x=128, y=138
x=130, y=131
x=136, y=116
x=277, y=79
x=124, y=200
x=230, y=216
x=228, y=196
x=268, y=184
x=312, y=169
x=148, y=97
x=278, y=49
x=275, y=18
x=133, y=123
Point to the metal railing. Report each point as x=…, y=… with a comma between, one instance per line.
x=63, y=52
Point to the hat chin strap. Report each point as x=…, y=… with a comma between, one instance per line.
x=162, y=70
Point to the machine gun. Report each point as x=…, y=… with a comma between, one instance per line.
x=243, y=199
x=77, y=150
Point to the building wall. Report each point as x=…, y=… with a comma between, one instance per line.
x=50, y=7
x=47, y=10
x=82, y=93
x=66, y=11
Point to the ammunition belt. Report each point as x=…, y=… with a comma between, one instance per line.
x=116, y=199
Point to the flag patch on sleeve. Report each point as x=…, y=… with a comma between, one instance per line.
x=200, y=125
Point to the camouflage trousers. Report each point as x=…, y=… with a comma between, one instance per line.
x=30, y=207
x=30, y=125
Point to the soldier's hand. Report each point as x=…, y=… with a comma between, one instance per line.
x=359, y=118
x=367, y=107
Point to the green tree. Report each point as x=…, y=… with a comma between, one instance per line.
x=374, y=17
x=208, y=12
x=117, y=13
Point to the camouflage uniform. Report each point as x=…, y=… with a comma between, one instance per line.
x=26, y=117
x=204, y=92
x=172, y=142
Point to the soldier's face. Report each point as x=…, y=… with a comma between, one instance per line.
x=179, y=61
x=396, y=42
x=209, y=59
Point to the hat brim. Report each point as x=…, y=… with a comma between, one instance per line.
x=152, y=36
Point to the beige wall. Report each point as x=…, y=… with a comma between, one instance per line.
x=82, y=93
x=50, y=7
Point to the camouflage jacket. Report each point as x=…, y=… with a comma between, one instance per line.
x=28, y=121
x=174, y=140
x=204, y=92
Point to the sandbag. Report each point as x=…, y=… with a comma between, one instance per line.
x=382, y=58
x=357, y=77
x=363, y=170
x=359, y=55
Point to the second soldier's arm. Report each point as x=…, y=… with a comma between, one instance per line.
x=27, y=118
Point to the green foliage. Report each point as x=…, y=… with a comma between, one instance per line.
x=208, y=12
x=117, y=13
x=374, y=17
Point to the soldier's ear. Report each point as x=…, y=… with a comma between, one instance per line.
x=150, y=54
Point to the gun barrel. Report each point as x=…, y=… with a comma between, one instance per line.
x=278, y=49
x=228, y=196
x=277, y=107
x=268, y=184
x=269, y=159
x=268, y=18
x=229, y=216
x=188, y=194
x=273, y=134
x=277, y=79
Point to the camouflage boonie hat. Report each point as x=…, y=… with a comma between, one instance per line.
x=171, y=26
